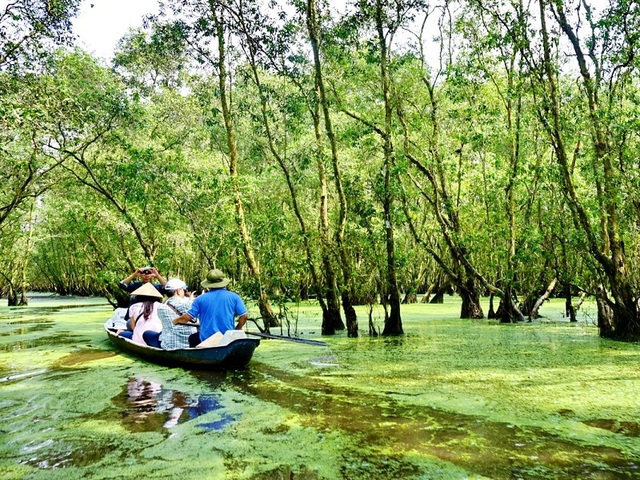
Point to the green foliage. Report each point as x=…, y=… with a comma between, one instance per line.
x=149, y=61
x=132, y=162
x=27, y=27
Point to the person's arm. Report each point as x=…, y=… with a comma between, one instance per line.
x=132, y=321
x=239, y=307
x=161, y=279
x=185, y=318
x=242, y=319
x=126, y=281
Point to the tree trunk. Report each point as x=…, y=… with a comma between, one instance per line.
x=393, y=322
x=24, y=262
x=12, y=297
x=625, y=318
x=576, y=307
x=605, y=314
x=372, y=329
x=270, y=320
x=410, y=298
x=325, y=290
x=343, y=257
x=533, y=313
x=331, y=320
x=427, y=293
x=350, y=315
x=508, y=311
x=438, y=295
x=618, y=315
x=569, y=311
x=471, y=307
x=23, y=301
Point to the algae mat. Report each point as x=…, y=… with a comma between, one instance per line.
x=451, y=399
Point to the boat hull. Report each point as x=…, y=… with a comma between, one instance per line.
x=235, y=355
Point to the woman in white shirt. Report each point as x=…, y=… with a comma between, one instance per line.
x=144, y=313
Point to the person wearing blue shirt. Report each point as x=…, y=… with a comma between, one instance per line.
x=216, y=309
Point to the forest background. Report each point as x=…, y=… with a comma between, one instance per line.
x=356, y=155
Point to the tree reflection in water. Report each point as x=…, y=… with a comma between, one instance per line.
x=151, y=407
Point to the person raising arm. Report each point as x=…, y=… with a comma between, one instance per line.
x=146, y=275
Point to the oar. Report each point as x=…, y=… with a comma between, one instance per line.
x=289, y=339
x=274, y=337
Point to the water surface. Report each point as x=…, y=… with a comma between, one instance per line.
x=452, y=399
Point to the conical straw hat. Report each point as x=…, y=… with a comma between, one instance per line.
x=147, y=290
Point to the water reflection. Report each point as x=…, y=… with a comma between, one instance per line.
x=11, y=312
x=148, y=406
x=83, y=356
x=26, y=330
x=384, y=422
x=63, y=338
x=394, y=341
x=25, y=326
x=62, y=455
x=630, y=429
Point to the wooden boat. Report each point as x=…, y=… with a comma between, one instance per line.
x=234, y=355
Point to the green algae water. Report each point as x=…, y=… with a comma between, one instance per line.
x=451, y=399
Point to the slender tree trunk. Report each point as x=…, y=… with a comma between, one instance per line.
x=514, y=150
x=331, y=319
x=569, y=310
x=618, y=313
x=23, y=263
x=326, y=296
x=605, y=314
x=545, y=296
x=393, y=322
x=345, y=263
x=12, y=297
x=372, y=328
x=264, y=306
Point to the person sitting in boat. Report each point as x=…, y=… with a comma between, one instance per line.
x=172, y=336
x=145, y=275
x=144, y=314
x=177, y=297
x=216, y=309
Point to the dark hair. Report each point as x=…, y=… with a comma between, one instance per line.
x=148, y=306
